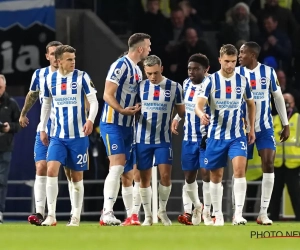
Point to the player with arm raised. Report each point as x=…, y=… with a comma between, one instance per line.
x=158, y=96
x=66, y=89
x=193, y=152
x=117, y=116
x=264, y=82
x=224, y=91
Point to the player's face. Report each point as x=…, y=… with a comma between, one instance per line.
x=154, y=73
x=228, y=63
x=196, y=72
x=51, y=58
x=245, y=56
x=67, y=61
x=145, y=49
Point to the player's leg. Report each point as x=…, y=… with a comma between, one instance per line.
x=57, y=153
x=238, y=155
x=70, y=187
x=127, y=190
x=114, y=137
x=250, y=150
x=215, y=160
x=136, y=192
x=189, y=163
x=145, y=155
x=266, y=147
x=205, y=175
x=40, y=152
x=77, y=162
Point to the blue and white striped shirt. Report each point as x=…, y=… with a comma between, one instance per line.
x=38, y=82
x=127, y=75
x=68, y=93
x=157, y=102
x=193, y=129
x=263, y=81
x=225, y=99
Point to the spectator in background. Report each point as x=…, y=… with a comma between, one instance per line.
x=286, y=19
x=191, y=45
x=9, y=125
x=275, y=43
x=190, y=13
x=296, y=48
x=154, y=23
x=287, y=161
x=286, y=86
x=240, y=25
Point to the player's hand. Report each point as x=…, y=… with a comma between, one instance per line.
x=174, y=127
x=285, y=133
x=44, y=138
x=251, y=137
x=130, y=111
x=23, y=121
x=204, y=119
x=88, y=128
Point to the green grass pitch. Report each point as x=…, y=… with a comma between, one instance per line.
x=91, y=236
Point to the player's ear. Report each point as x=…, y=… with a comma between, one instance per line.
x=47, y=56
x=219, y=60
x=207, y=69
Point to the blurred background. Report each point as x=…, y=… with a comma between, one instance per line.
x=99, y=30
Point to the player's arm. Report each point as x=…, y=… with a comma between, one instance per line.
x=90, y=97
x=30, y=99
x=201, y=101
x=248, y=97
x=179, y=101
x=115, y=78
x=280, y=106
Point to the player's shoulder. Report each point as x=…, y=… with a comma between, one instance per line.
x=120, y=63
x=42, y=72
x=79, y=73
x=186, y=82
x=240, y=76
x=173, y=83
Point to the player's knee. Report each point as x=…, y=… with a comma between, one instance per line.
x=136, y=174
x=205, y=175
x=53, y=168
x=268, y=165
x=216, y=176
x=127, y=179
x=76, y=176
x=68, y=173
x=41, y=168
x=190, y=176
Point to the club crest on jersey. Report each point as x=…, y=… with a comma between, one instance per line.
x=74, y=85
x=238, y=90
x=167, y=93
x=264, y=80
x=114, y=147
x=205, y=160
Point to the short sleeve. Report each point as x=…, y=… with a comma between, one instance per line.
x=179, y=95
x=117, y=72
x=248, y=93
x=88, y=85
x=35, y=81
x=274, y=83
x=205, y=88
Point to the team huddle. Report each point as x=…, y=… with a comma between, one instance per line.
x=224, y=113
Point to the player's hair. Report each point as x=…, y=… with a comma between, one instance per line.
x=51, y=44
x=201, y=59
x=254, y=47
x=136, y=39
x=151, y=61
x=228, y=49
x=60, y=50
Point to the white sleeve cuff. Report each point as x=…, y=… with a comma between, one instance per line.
x=45, y=113
x=280, y=106
x=177, y=118
x=92, y=99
